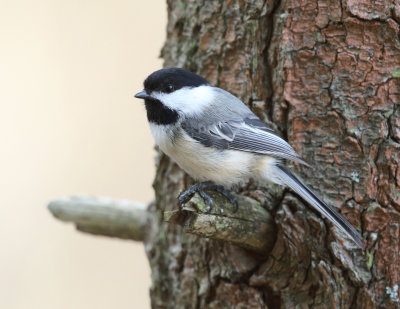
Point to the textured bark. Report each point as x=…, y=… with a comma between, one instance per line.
x=325, y=75
x=249, y=226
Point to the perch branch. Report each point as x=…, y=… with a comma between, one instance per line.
x=102, y=216
x=251, y=227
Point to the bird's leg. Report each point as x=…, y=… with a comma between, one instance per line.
x=185, y=196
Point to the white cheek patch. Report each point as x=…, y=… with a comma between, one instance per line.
x=188, y=101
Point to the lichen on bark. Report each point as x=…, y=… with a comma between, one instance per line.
x=320, y=72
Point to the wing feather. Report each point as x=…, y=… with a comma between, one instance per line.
x=249, y=134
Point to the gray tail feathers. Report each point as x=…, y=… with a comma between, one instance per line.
x=297, y=185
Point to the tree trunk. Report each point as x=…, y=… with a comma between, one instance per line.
x=325, y=74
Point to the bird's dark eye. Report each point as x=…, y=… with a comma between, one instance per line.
x=170, y=88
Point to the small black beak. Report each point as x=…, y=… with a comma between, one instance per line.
x=142, y=95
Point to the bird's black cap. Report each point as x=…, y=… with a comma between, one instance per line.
x=171, y=79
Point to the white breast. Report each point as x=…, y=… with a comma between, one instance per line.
x=225, y=167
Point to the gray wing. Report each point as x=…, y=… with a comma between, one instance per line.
x=249, y=134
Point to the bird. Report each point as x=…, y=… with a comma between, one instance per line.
x=216, y=139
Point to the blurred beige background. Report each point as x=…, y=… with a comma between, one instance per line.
x=69, y=125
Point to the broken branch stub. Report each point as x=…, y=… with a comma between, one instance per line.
x=103, y=216
x=251, y=226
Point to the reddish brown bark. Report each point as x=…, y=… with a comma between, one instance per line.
x=323, y=73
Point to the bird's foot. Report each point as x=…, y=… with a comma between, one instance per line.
x=185, y=196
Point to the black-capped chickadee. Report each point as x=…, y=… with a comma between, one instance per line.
x=217, y=139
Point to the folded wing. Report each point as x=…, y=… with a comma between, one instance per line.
x=249, y=134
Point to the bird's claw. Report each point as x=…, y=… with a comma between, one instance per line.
x=185, y=196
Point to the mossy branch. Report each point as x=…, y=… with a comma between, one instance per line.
x=250, y=227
